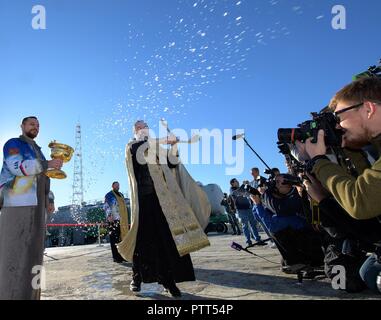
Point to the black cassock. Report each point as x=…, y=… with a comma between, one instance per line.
x=156, y=258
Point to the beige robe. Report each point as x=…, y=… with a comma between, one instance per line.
x=184, y=204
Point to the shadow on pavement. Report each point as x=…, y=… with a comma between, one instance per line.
x=274, y=284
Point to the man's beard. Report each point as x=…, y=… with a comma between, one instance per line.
x=31, y=134
x=348, y=141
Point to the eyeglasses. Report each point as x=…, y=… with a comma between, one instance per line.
x=337, y=113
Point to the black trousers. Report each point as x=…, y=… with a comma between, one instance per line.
x=156, y=258
x=340, y=225
x=114, y=232
x=300, y=246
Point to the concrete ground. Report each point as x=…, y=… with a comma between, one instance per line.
x=88, y=272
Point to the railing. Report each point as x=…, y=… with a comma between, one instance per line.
x=98, y=225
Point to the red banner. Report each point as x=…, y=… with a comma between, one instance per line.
x=73, y=225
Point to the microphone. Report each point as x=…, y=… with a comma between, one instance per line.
x=238, y=136
x=236, y=246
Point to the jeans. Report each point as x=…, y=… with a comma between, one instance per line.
x=249, y=225
x=274, y=223
x=369, y=272
x=262, y=224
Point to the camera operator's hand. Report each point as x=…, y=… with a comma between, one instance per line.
x=315, y=189
x=256, y=199
x=316, y=149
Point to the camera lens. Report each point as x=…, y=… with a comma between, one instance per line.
x=290, y=135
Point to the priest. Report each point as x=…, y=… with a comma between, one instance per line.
x=169, y=213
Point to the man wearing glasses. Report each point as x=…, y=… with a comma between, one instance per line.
x=358, y=110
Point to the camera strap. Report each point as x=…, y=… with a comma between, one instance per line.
x=315, y=212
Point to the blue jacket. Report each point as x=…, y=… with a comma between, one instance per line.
x=18, y=178
x=275, y=223
x=288, y=205
x=111, y=206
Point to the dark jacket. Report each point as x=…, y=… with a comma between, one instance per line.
x=241, y=199
x=340, y=225
x=142, y=175
x=285, y=205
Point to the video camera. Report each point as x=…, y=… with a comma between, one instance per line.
x=272, y=172
x=268, y=172
x=248, y=188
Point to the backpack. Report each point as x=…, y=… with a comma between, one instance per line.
x=351, y=260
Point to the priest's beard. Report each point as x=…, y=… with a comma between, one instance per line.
x=142, y=135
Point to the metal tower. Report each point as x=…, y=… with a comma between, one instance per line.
x=77, y=199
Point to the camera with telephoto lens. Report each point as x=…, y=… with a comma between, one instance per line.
x=271, y=172
x=310, y=129
x=248, y=188
x=267, y=184
x=324, y=120
x=291, y=180
x=268, y=172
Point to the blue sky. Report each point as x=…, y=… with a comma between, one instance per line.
x=214, y=64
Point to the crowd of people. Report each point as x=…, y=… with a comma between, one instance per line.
x=328, y=218
x=348, y=198
x=324, y=212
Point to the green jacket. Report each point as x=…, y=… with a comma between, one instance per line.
x=360, y=197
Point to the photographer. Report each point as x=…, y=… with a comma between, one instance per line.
x=357, y=108
x=281, y=211
x=258, y=180
x=228, y=203
x=346, y=240
x=244, y=207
